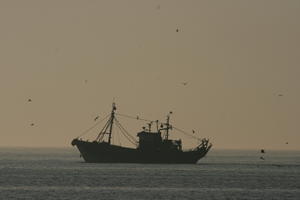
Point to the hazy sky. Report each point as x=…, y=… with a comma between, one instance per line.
x=237, y=57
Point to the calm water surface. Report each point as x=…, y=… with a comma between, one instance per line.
x=40, y=173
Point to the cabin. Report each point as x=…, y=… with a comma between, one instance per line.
x=153, y=141
x=149, y=140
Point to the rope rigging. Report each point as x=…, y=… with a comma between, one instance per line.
x=161, y=123
x=131, y=117
x=89, y=129
x=103, y=131
x=129, y=137
x=124, y=132
x=186, y=133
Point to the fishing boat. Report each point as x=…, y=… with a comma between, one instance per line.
x=151, y=147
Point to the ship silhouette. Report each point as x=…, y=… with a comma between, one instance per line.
x=152, y=146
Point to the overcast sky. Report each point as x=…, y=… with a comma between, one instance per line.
x=240, y=60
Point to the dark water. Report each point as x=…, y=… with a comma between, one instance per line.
x=61, y=174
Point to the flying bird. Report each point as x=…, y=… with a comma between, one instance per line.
x=184, y=83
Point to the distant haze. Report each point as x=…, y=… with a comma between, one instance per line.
x=239, y=61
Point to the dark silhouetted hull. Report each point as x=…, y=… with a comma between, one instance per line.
x=94, y=152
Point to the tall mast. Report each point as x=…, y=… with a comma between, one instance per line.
x=167, y=130
x=114, y=108
x=168, y=125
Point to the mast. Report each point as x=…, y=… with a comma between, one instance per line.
x=149, y=126
x=114, y=108
x=168, y=125
x=167, y=129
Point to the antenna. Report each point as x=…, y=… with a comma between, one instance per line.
x=156, y=125
x=149, y=125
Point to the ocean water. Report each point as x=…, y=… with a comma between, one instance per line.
x=40, y=173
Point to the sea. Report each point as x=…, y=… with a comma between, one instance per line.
x=60, y=173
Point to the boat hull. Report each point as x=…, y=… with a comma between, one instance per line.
x=94, y=152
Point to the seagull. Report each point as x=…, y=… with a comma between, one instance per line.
x=96, y=118
x=184, y=83
x=262, y=151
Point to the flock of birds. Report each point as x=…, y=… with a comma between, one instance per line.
x=183, y=83
x=97, y=117
x=262, y=151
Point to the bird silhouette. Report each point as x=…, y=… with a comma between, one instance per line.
x=96, y=118
x=184, y=83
